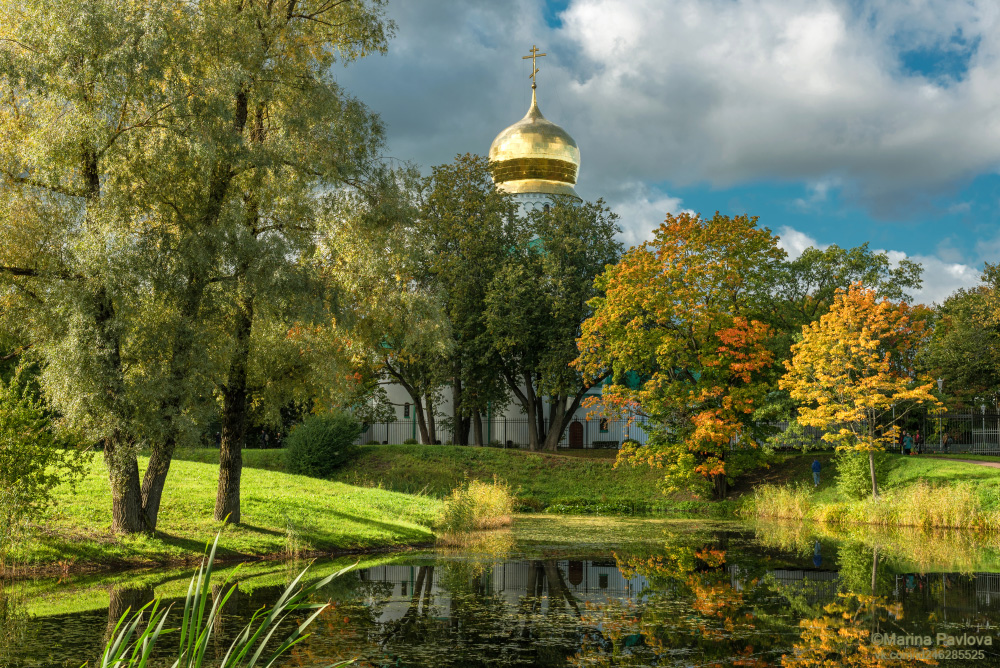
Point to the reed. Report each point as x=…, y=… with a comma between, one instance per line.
x=131, y=646
x=476, y=506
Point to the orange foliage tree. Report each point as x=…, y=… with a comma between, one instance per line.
x=676, y=328
x=854, y=373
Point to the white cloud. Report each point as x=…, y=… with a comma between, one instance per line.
x=695, y=92
x=941, y=278
x=641, y=209
x=728, y=91
x=794, y=242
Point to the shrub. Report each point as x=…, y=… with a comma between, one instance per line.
x=854, y=478
x=32, y=461
x=475, y=506
x=321, y=444
x=410, y=441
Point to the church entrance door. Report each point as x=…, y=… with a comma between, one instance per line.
x=575, y=435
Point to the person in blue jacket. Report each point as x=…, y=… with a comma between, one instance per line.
x=816, y=469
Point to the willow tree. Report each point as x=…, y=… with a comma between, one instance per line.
x=161, y=165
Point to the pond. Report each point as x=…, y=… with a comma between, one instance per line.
x=588, y=592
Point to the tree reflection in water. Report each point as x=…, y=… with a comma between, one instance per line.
x=729, y=596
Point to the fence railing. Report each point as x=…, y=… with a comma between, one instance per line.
x=513, y=433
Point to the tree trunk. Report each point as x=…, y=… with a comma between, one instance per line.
x=460, y=423
x=719, y=486
x=180, y=364
x=477, y=431
x=871, y=466
x=532, y=407
x=153, y=481
x=557, y=415
x=431, y=429
x=126, y=495
x=418, y=409
x=234, y=419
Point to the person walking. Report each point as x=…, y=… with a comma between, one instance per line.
x=815, y=469
x=907, y=443
x=918, y=441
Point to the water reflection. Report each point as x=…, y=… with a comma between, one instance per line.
x=769, y=596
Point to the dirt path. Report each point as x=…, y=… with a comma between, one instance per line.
x=994, y=465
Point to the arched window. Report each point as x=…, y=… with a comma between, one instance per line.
x=406, y=410
x=545, y=208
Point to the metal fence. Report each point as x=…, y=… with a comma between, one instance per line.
x=513, y=433
x=973, y=432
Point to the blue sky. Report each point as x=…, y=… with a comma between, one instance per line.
x=834, y=121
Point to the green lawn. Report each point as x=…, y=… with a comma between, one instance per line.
x=282, y=514
x=539, y=480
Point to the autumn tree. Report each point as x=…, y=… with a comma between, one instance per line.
x=854, y=371
x=680, y=315
x=536, y=304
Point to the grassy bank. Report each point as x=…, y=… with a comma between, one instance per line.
x=283, y=514
x=926, y=492
x=563, y=482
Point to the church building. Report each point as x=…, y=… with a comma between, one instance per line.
x=536, y=161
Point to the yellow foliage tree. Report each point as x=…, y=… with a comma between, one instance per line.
x=854, y=371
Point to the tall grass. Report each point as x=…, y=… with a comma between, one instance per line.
x=476, y=506
x=952, y=506
x=130, y=647
x=790, y=502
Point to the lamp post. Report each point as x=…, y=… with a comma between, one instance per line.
x=940, y=382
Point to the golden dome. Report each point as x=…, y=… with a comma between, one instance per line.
x=535, y=156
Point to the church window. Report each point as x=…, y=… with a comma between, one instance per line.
x=545, y=208
x=406, y=410
x=604, y=425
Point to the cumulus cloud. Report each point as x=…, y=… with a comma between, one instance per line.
x=707, y=91
x=641, y=209
x=728, y=91
x=793, y=242
x=941, y=276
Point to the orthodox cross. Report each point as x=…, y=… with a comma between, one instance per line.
x=534, y=70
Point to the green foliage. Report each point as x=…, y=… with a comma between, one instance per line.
x=410, y=441
x=854, y=472
x=537, y=301
x=965, y=347
x=321, y=444
x=199, y=621
x=475, y=506
x=32, y=461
